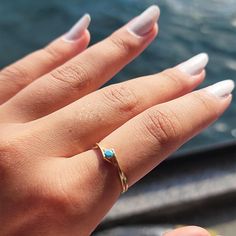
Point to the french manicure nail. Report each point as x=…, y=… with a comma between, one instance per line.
x=194, y=65
x=143, y=23
x=221, y=89
x=78, y=29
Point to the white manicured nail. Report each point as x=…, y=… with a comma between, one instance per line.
x=194, y=65
x=221, y=89
x=143, y=23
x=78, y=29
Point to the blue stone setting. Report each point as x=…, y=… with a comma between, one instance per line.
x=109, y=153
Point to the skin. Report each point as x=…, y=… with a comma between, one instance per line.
x=51, y=180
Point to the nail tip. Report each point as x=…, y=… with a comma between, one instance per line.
x=231, y=84
x=78, y=28
x=88, y=17
x=145, y=21
x=155, y=10
x=195, y=65
x=155, y=7
x=205, y=56
x=205, y=59
x=228, y=82
x=222, y=89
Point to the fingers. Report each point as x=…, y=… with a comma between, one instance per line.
x=18, y=75
x=163, y=128
x=86, y=72
x=188, y=231
x=146, y=140
x=115, y=105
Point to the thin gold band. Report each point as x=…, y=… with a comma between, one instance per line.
x=109, y=155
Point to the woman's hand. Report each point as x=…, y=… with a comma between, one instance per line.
x=51, y=180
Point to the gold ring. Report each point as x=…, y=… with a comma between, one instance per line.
x=109, y=155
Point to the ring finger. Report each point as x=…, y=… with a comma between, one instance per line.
x=142, y=143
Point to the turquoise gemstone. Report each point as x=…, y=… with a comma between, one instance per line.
x=108, y=153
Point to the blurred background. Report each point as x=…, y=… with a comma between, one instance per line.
x=186, y=28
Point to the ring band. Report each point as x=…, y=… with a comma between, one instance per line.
x=109, y=155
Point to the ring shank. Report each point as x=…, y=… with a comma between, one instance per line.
x=115, y=163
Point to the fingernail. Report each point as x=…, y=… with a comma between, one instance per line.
x=221, y=89
x=143, y=23
x=78, y=29
x=194, y=65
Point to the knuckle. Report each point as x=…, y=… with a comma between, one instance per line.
x=206, y=104
x=162, y=125
x=52, y=54
x=42, y=196
x=74, y=75
x=122, y=98
x=3, y=152
x=15, y=74
x=76, y=203
x=54, y=199
x=11, y=145
x=7, y=147
x=7, y=150
x=179, y=83
x=62, y=195
x=127, y=46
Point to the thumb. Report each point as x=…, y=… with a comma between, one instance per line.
x=188, y=231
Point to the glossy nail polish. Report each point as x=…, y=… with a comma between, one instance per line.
x=78, y=29
x=194, y=65
x=221, y=89
x=144, y=23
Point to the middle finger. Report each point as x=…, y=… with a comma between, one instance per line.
x=76, y=127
